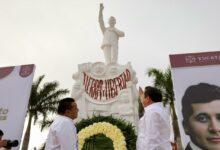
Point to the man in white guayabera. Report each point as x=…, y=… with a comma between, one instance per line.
x=110, y=39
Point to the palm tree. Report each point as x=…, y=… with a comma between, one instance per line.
x=43, y=101
x=163, y=81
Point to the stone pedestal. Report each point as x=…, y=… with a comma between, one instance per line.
x=106, y=90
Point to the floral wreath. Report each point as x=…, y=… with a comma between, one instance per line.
x=117, y=125
x=109, y=130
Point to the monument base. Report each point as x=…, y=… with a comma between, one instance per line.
x=105, y=90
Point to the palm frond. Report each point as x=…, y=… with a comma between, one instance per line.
x=44, y=100
x=163, y=81
x=48, y=88
x=45, y=123
x=158, y=76
x=53, y=96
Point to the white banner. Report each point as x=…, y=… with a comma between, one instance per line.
x=15, y=87
x=197, y=98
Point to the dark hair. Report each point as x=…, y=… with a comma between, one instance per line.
x=64, y=105
x=200, y=93
x=1, y=133
x=154, y=93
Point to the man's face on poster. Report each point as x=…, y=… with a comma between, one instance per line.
x=203, y=125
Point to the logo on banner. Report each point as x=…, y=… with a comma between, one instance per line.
x=190, y=59
x=5, y=71
x=26, y=70
x=3, y=114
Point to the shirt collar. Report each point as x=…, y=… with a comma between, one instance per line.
x=62, y=116
x=153, y=105
x=193, y=146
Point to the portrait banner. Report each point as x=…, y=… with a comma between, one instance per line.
x=15, y=88
x=196, y=85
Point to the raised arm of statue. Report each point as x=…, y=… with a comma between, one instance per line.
x=101, y=22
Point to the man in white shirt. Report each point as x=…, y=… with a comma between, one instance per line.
x=63, y=134
x=154, y=126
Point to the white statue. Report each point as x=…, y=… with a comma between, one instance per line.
x=110, y=39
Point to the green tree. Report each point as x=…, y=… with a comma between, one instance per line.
x=43, y=101
x=163, y=81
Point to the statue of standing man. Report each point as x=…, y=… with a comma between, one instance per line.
x=110, y=39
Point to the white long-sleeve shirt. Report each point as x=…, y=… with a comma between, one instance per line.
x=154, y=128
x=62, y=135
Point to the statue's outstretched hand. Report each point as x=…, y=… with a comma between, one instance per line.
x=101, y=6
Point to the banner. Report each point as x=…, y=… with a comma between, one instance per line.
x=99, y=89
x=196, y=81
x=15, y=87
